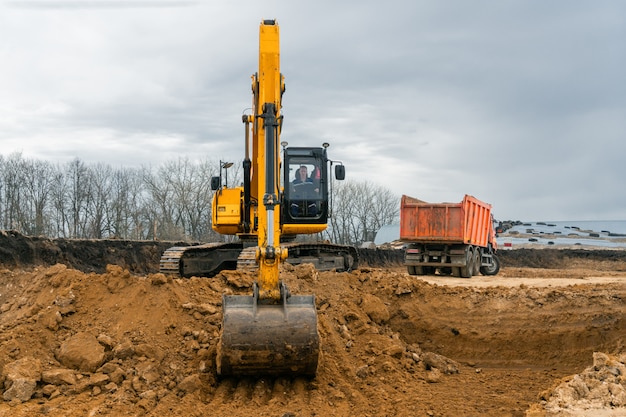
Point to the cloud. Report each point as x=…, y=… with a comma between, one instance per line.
x=520, y=103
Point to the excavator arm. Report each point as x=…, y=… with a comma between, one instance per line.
x=267, y=86
x=270, y=332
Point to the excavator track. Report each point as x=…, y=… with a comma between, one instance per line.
x=209, y=259
x=170, y=260
x=247, y=260
x=325, y=256
x=200, y=260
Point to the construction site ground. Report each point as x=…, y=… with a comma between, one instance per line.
x=91, y=329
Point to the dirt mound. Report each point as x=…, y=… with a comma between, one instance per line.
x=561, y=258
x=75, y=344
x=599, y=390
x=80, y=337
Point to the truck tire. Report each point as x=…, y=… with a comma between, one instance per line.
x=492, y=269
x=415, y=270
x=477, y=261
x=467, y=270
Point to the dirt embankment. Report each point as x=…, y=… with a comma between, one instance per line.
x=118, y=342
x=142, y=257
x=139, y=257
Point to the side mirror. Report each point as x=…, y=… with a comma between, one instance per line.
x=340, y=172
x=215, y=183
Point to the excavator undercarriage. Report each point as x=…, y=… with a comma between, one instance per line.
x=209, y=259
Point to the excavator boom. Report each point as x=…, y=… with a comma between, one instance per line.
x=285, y=192
x=269, y=332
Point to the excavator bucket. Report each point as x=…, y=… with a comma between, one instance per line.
x=268, y=339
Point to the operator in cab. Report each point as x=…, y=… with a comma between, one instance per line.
x=303, y=207
x=302, y=175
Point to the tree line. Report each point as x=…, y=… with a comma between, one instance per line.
x=169, y=202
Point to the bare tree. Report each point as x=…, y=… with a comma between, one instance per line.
x=171, y=202
x=182, y=196
x=197, y=206
x=60, y=216
x=160, y=207
x=360, y=209
x=126, y=204
x=13, y=174
x=97, y=208
x=37, y=179
x=79, y=196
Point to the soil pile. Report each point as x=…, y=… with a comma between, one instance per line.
x=76, y=344
x=599, y=390
x=117, y=340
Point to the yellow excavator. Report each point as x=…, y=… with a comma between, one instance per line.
x=270, y=332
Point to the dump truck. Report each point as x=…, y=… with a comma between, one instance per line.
x=450, y=238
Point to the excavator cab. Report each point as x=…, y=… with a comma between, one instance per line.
x=306, y=186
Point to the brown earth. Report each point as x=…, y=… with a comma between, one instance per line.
x=125, y=340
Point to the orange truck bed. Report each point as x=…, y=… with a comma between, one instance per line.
x=468, y=222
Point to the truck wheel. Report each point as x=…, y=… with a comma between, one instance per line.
x=468, y=269
x=492, y=269
x=477, y=261
x=415, y=270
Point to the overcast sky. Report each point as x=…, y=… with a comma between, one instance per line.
x=521, y=103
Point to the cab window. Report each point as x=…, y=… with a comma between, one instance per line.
x=304, y=190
